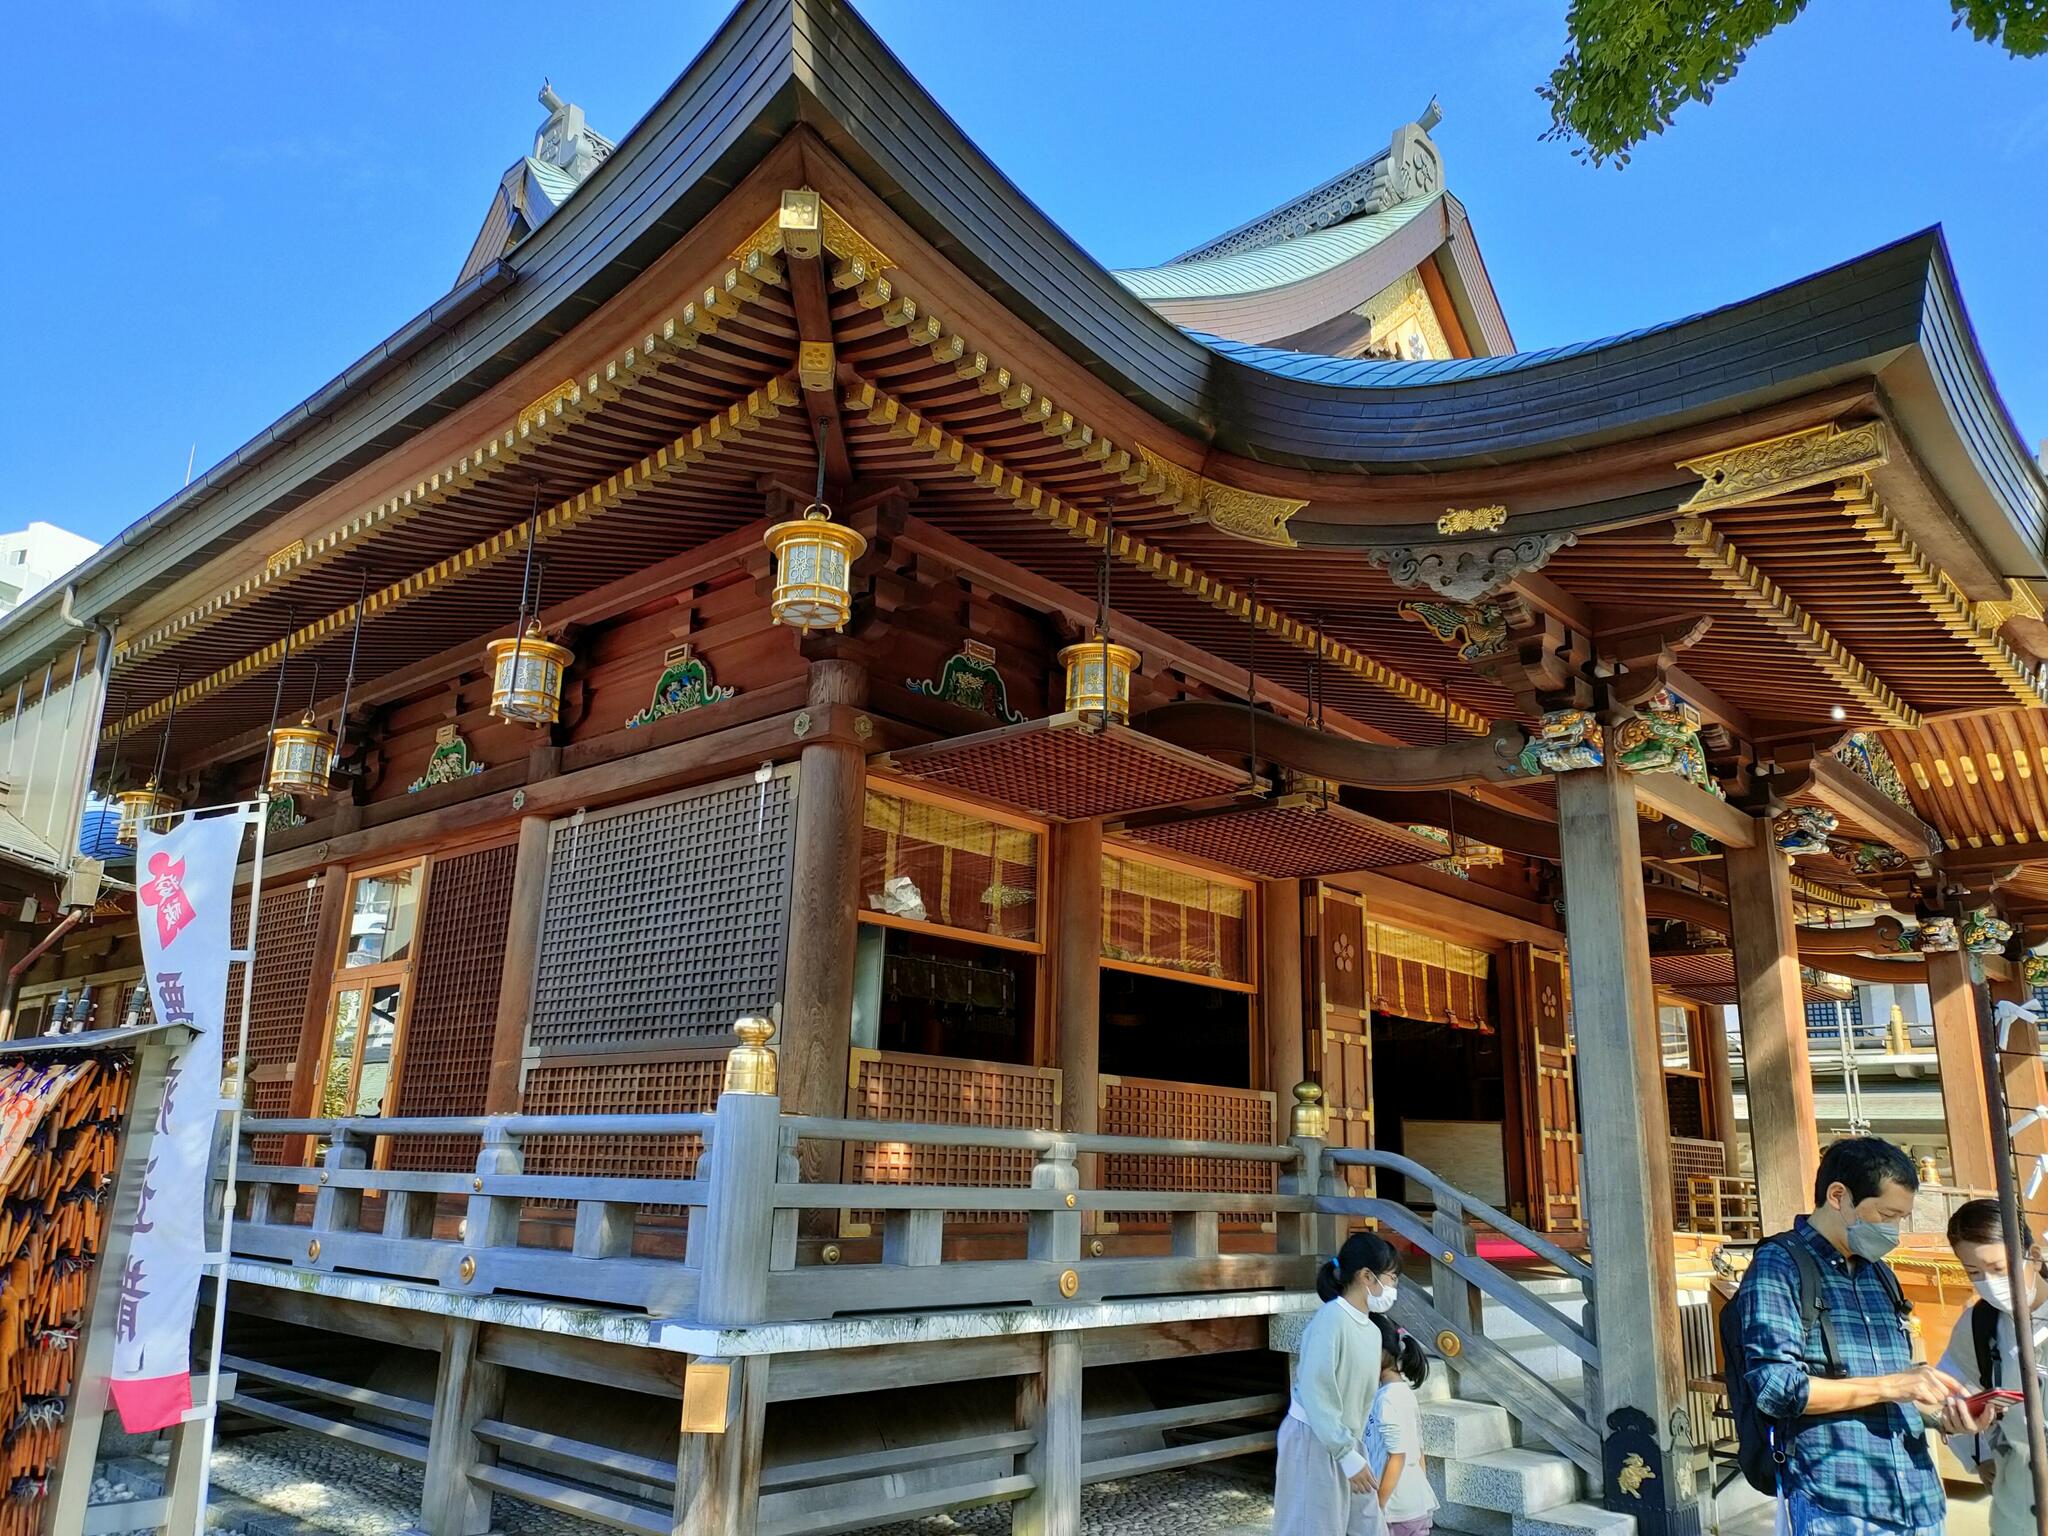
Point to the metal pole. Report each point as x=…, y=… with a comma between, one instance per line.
x=1852, y=1082
x=2015, y=1247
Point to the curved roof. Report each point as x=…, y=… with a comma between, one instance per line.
x=778, y=65
x=1272, y=266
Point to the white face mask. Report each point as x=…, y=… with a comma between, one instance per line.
x=1381, y=1301
x=1996, y=1289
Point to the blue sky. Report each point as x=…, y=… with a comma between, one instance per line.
x=218, y=204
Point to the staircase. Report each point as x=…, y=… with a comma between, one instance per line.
x=1490, y=1475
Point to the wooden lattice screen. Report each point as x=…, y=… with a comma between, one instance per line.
x=445, y=1057
x=1136, y=1106
x=945, y=1090
x=664, y=922
x=684, y=1085
x=286, y=945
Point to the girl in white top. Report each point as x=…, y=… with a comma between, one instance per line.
x=1995, y=1441
x=1393, y=1435
x=1322, y=1483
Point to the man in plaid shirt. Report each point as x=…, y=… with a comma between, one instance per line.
x=1858, y=1460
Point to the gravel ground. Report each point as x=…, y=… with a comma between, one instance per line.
x=340, y=1490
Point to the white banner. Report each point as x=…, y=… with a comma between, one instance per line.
x=184, y=890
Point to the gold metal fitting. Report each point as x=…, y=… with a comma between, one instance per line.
x=467, y=1268
x=313, y=1249
x=1311, y=1117
x=1095, y=1249
x=829, y=1253
x=462, y=1230
x=1449, y=1257
x=323, y=1176
x=1070, y=1283
x=477, y=1184
x=1449, y=1345
x=1072, y=1201
x=750, y=1068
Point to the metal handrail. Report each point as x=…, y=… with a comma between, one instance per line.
x=1026, y=1139
x=1452, y=1198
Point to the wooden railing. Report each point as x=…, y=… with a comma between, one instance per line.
x=747, y=1205
x=745, y=1208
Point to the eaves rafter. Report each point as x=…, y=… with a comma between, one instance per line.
x=563, y=407
x=1732, y=571
x=956, y=455
x=664, y=464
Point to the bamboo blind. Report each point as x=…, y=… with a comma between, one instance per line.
x=1175, y=919
x=963, y=871
x=1418, y=976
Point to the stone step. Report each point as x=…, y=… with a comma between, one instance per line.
x=1574, y=1520
x=1436, y=1386
x=1467, y=1521
x=1515, y=1482
x=1456, y=1429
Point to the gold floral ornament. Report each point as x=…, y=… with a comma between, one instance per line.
x=1457, y=520
x=1633, y=1474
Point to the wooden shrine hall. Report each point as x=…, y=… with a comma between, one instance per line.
x=1180, y=760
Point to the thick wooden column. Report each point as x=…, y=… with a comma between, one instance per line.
x=817, y=995
x=1954, y=999
x=467, y=1391
x=1049, y=1402
x=1077, y=973
x=1777, y=1079
x=1626, y=1142
x=2026, y=1085
x=522, y=954
x=1280, y=996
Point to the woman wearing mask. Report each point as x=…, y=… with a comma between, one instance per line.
x=1322, y=1478
x=1983, y=1352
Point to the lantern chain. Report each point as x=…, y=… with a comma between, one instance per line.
x=348, y=682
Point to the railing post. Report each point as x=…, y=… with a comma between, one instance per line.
x=732, y=1244
x=788, y=1170
x=1049, y=1403
x=1457, y=1299
x=493, y=1219
x=258, y=1201
x=1055, y=1235
x=1315, y=1233
x=467, y=1390
x=336, y=1209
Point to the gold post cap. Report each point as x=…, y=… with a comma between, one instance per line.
x=751, y=1066
x=1311, y=1118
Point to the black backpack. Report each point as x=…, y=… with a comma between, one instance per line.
x=1757, y=1449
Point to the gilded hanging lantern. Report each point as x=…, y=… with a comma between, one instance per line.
x=1099, y=677
x=301, y=759
x=813, y=570
x=140, y=806
x=526, y=676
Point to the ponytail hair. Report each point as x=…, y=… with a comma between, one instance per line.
x=1362, y=1253
x=1402, y=1350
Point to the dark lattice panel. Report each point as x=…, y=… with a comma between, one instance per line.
x=446, y=1065
x=1188, y=1112
x=285, y=961
x=666, y=922
x=268, y=1101
x=1291, y=839
x=1068, y=769
x=682, y=1087
x=937, y=1090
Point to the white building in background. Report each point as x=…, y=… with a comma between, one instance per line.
x=33, y=557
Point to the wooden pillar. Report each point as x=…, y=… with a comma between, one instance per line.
x=327, y=932
x=1077, y=970
x=1777, y=1079
x=718, y=1471
x=817, y=994
x=2026, y=1085
x=1721, y=1086
x=1280, y=996
x=1950, y=990
x=522, y=954
x=1626, y=1141
x=1049, y=1401
x=467, y=1390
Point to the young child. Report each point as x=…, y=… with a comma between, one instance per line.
x=1322, y=1484
x=1393, y=1435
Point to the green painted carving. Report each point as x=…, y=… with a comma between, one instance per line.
x=1664, y=737
x=283, y=814
x=685, y=684
x=1865, y=756
x=448, y=762
x=1478, y=630
x=970, y=680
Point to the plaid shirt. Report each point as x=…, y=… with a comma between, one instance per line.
x=1847, y=1472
